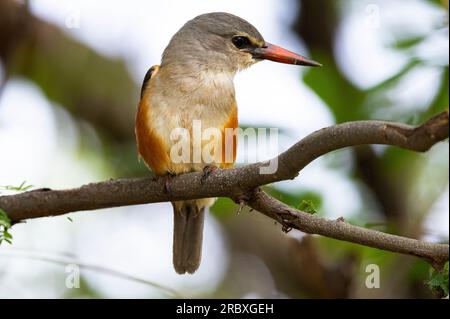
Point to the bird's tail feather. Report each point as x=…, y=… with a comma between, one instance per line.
x=189, y=218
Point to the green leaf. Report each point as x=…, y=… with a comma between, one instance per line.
x=70, y=219
x=5, y=224
x=307, y=206
x=7, y=235
x=4, y=219
x=407, y=43
x=439, y=280
x=21, y=187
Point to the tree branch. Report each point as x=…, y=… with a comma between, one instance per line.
x=436, y=254
x=241, y=182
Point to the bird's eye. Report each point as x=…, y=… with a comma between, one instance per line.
x=240, y=41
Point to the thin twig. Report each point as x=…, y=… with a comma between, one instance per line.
x=288, y=217
x=66, y=261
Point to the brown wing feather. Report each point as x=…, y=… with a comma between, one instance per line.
x=151, y=147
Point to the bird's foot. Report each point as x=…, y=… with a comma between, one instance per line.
x=167, y=183
x=166, y=180
x=207, y=171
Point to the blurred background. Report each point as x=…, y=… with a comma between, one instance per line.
x=70, y=73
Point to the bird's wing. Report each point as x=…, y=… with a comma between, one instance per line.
x=150, y=146
x=147, y=77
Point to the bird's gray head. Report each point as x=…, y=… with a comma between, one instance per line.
x=224, y=42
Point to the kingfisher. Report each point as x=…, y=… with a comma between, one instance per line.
x=194, y=84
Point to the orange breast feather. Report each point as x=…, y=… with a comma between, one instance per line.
x=229, y=142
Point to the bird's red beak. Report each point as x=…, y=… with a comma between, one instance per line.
x=278, y=54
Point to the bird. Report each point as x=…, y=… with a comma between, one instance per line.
x=194, y=82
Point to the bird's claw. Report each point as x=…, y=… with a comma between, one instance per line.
x=207, y=170
x=167, y=181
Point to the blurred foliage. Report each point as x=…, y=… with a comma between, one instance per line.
x=390, y=176
x=224, y=208
x=308, y=199
x=85, y=290
x=100, y=97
